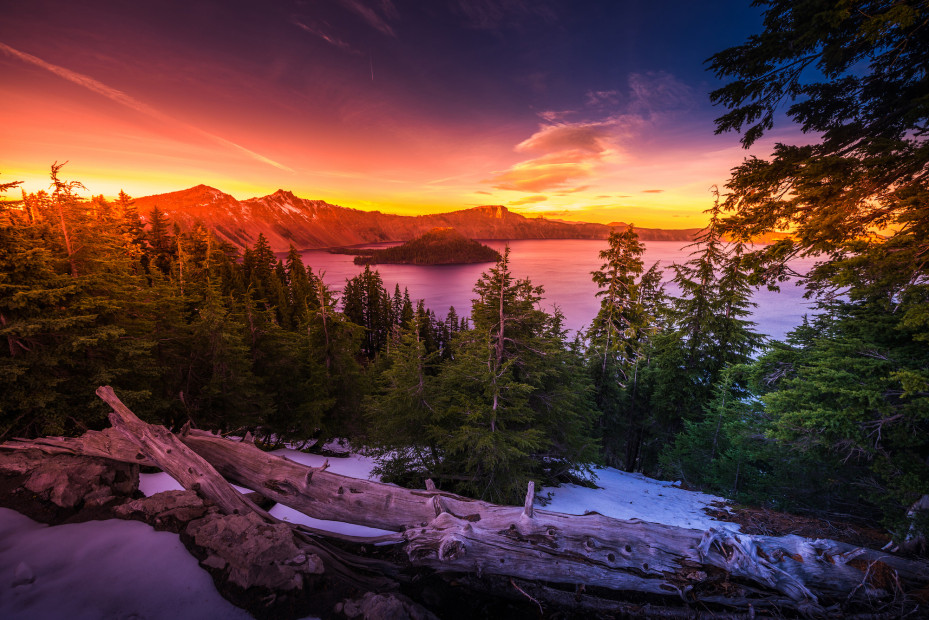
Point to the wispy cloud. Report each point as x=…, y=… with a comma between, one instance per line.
x=602, y=97
x=132, y=103
x=652, y=191
x=556, y=116
x=568, y=151
x=573, y=190
x=378, y=15
x=659, y=91
x=528, y=200
x=323, y=32
x=499, y=14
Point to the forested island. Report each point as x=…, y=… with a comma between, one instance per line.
x=439, y=246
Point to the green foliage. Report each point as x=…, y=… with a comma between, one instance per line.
x=855, y=76
x=511, y=404
x=619, y=342
x=71, y=319
x=715, y=301
x=857, y=389
x=730, y=451
x=181, y=329
x=851, y=385
x=365, y=302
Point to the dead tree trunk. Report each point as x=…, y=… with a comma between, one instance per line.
x=449, y=533
x=337, y=572
x=174, y=458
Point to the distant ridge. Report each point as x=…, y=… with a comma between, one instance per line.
x=288, y=220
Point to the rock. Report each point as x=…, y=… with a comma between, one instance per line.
x=53, y=488
x=253, y=553
x=386, y=606
x=168, y=510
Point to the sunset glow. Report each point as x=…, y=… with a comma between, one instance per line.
x=580, y=111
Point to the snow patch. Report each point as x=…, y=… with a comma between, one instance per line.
x=101, y=569
x=124, y=569
x=150, y=484
x=633, y=496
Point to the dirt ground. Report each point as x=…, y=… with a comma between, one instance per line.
x=766, y=522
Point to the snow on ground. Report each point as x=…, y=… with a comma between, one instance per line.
x=356, y=466
x=124, y=569
x=634, y=496
x=101, y=569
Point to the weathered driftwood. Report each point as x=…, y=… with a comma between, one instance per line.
x=450, y=533
x=174, y=458
x=245, y=541
x=321, y=494
x=108, y=443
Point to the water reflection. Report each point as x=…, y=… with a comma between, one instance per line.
x=562, y=267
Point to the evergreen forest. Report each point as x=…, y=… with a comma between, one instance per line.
x=187, y=329
x=833, y=421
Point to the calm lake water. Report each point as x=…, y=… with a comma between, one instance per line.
x=562, y=267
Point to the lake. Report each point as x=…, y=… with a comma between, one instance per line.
x=562, y=267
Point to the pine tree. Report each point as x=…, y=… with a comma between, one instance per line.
x=302, y=288
x=857, y=386
x=404, y=426
x=620, y=344
x=160, y=253
x=517, y=407
x=366, y=303
x=333, y=341
x=712, y=309
x=711, y=320
x=75, y=314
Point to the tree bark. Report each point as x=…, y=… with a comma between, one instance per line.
x=174, y=458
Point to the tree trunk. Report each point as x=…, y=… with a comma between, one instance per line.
x=174, y=458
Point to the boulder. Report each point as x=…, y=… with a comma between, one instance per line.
x=251, y=553
x=62, y=487
x=169, y=510
x=385, y=606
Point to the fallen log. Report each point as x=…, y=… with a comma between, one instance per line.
x=248, y=546
x=108, y=443
x=164, y=449
x=448, y=533
x=322, y=494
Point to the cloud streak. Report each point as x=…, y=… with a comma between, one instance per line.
x=318, y=31
x=499, y=14
x=528, y=200
x=132, y=103
x=372, y=16
x=658, y=92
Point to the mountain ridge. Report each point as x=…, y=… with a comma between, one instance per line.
x=286, y=219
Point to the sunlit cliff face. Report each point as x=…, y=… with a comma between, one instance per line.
x=576, y=111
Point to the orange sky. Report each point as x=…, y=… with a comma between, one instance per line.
x=373, y=105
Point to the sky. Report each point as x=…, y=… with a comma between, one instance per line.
x=580, y=110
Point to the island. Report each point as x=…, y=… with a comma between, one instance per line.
x=439, y=246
